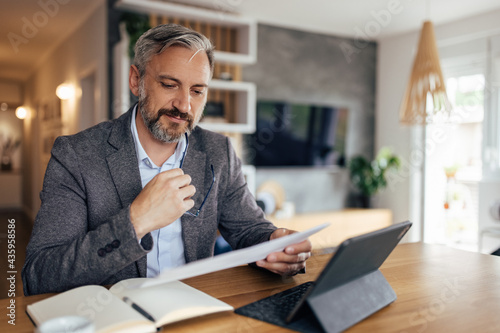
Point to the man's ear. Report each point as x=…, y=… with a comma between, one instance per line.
x=134, y=79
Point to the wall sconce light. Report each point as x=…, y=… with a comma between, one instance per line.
x=65, y=91
x=21, y=112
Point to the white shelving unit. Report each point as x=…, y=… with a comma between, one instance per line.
x=245, y=107
x=244, y=117
x=246, y=27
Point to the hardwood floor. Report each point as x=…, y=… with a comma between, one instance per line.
x=15, y=231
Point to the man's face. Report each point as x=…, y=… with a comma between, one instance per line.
x=173, y=92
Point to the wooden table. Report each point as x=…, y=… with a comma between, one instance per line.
x=439, y=289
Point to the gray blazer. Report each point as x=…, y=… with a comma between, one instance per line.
x=83, y=234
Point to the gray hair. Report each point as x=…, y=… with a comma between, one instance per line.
x=158, y=39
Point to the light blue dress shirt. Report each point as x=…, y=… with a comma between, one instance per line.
x=168, y=247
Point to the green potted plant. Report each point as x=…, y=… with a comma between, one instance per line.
x=368, y=177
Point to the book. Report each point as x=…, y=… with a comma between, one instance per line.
x=121, y=309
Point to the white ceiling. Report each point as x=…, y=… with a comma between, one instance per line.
x=377, y=18
x=350, y=18
x=23, y=49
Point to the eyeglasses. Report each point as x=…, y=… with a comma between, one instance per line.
x=206, y=196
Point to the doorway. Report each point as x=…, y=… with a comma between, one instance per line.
x=87, y=117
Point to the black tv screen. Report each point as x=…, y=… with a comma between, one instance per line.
x=291, y=134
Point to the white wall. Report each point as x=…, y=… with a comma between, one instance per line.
x=395, y=59
x=84, y=52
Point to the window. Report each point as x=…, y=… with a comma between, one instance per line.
x=454, y=167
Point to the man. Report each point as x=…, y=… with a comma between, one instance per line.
x=136, y=195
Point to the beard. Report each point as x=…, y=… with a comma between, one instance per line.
x=172, y=132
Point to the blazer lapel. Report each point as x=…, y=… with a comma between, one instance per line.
x=122, y=163
x=124, y=170
x=194, y=166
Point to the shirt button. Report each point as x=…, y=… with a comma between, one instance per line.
x=115, y=244
x=101, y=252
x=108, y=248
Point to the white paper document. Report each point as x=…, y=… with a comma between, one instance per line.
x=231, y=259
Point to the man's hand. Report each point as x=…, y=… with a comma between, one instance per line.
x=162, y=201
x=291, y=260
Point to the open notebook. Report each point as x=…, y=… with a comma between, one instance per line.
x=120, y=309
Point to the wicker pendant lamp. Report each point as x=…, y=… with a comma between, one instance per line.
x=426, y=80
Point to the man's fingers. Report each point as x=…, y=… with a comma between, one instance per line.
x=287, y=258
x=163, y=200
x=281, y=232
x=187, y=192
x=303, y=256
x=174, y=178
x=188, y=204
x=173, y=173
x=178, y=181
x=304, y=246
x=282, y=268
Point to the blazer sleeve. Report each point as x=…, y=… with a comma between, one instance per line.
x=64, y=252
x=242, y=222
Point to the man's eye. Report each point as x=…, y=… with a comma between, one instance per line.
x=166, y=85
x=198, y=92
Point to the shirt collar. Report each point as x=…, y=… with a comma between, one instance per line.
x=142, y=156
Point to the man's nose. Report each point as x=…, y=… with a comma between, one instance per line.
x=182, y=101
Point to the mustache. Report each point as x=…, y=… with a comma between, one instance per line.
x=174, y=112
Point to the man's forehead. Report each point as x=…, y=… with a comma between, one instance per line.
x=184, y=52
x=179, y=62
x=180, y=56
x=194, y=54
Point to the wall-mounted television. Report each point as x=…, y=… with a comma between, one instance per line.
x=294, y=134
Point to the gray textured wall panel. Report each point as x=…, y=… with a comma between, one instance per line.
x=303, y=67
